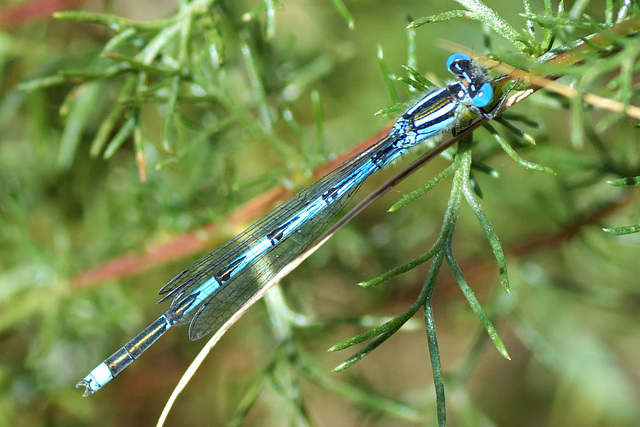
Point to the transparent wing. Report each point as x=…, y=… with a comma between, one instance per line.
x=235, y=293
x=231, y=297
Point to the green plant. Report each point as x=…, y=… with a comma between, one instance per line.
x=218, y=80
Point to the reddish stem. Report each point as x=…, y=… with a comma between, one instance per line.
x=208, y=236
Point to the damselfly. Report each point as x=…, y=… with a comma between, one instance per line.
x=208, y=293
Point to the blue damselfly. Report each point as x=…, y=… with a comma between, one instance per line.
x=220, y=284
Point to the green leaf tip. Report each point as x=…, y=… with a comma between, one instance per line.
x=514, y=155
x=408, y=198
x=625, y=182
x=505, y=286
x=621, y=231
x=497, y=342
x=341, y=367
x=344, y=12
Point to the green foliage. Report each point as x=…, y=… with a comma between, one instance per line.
x=628, y=229
x=135, y=131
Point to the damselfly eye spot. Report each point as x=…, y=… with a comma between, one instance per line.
x=458, y=62
x=484, y=96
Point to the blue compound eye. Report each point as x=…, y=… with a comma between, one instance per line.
x=484, y=96
x=453, y=63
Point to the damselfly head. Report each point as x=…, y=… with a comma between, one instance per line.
x=473, y=77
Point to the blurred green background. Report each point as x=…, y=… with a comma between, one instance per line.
x=571, y=324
